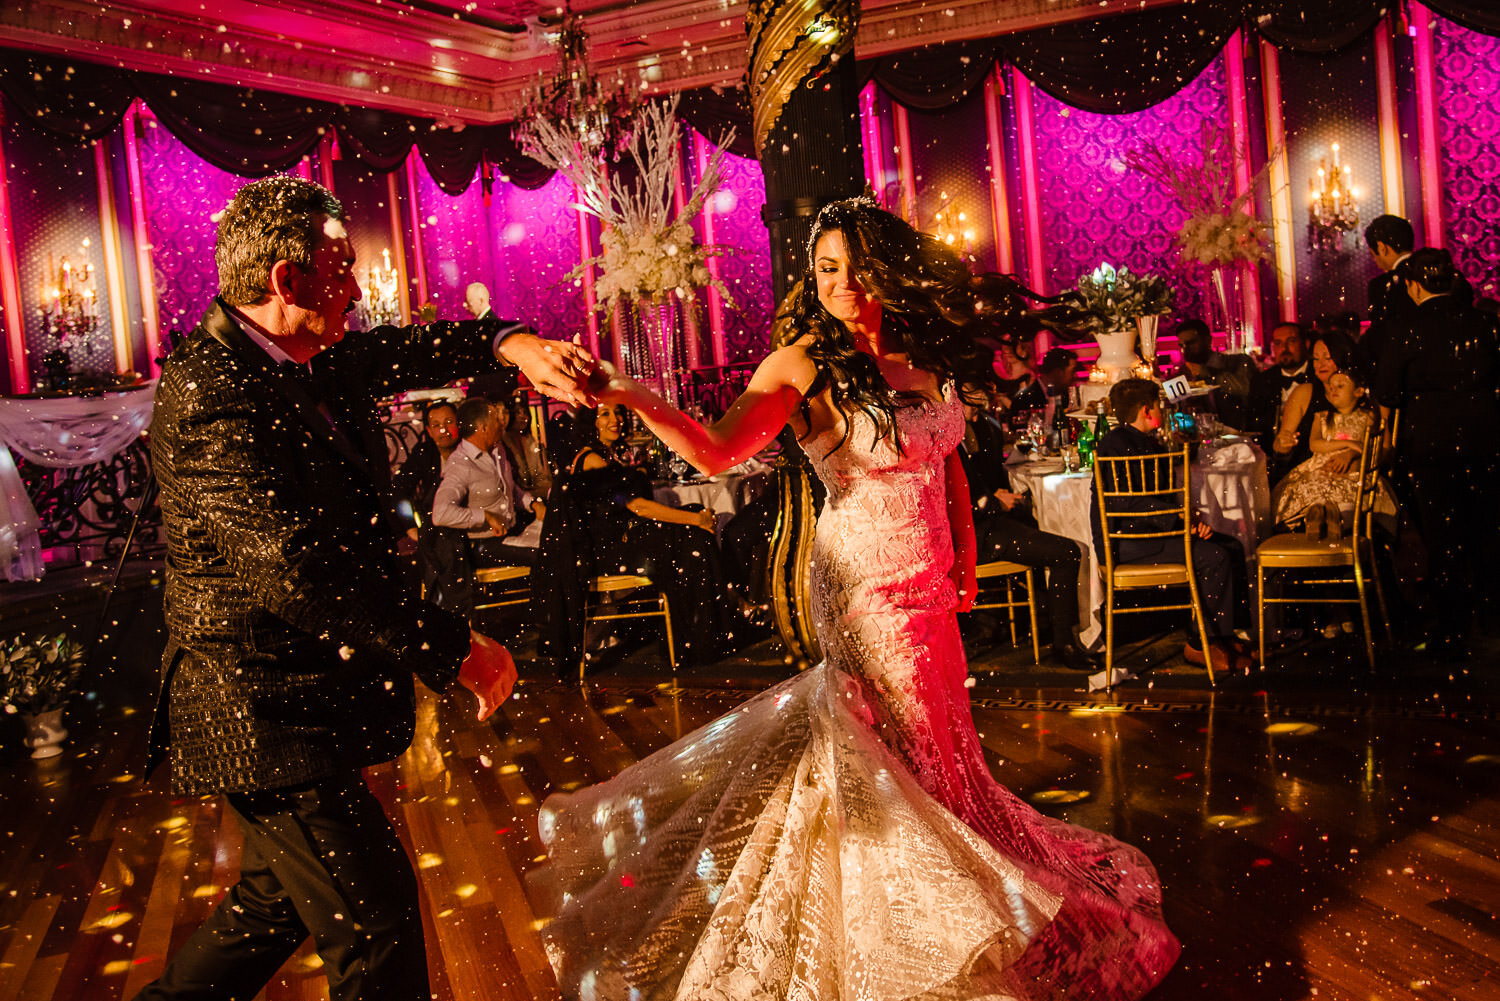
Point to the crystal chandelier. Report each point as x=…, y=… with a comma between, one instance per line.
x=576, y=102
x=1333, y=212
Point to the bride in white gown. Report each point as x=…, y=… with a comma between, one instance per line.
x=840, y=837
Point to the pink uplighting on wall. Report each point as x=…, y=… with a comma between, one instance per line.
x=10, y=292
x=144, y=270
x=1031, y=200
x=701, y=153
x=1427, y=126
x=1239, y=128
x=994, y=89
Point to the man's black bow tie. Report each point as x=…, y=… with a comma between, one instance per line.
x=1300, y=377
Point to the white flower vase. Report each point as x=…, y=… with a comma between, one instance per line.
x=1117, y=357
x=45, y=733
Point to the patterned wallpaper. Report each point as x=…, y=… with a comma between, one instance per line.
x=1095, y=209
x=534, y=244
x=182, y=195
x=456, y=243
x=1468, y=79
x=747, y=272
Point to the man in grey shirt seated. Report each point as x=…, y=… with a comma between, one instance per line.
x=479, y=497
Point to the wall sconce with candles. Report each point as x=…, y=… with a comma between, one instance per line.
x=1333, y=212
x=69, y=313
x=951, y=225
x=381, y=304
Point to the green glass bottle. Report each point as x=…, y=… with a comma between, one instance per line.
x=1085, y=445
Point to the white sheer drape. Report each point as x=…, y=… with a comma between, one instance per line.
x=60, y=433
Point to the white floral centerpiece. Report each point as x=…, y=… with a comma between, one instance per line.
x=1117, y=306
x=651, y=255
x=1221, y=233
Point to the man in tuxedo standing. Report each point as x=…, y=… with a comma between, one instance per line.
x=1390, y=239
x=291, y=642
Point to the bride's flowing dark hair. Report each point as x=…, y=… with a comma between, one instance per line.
x=944, y=318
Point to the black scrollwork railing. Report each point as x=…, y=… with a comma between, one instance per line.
x=90, y=508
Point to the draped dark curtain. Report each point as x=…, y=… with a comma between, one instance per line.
x=70, y=99
x=713, y=111
x=252, y=132
x=1129, y=62
x=1478, y=15
x=247, y=132
x=1123, y=63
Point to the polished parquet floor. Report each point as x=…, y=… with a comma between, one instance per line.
x=1313, y=843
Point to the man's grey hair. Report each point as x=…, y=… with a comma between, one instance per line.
x=275, y=219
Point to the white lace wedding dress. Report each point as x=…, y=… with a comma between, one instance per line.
x=840, y=837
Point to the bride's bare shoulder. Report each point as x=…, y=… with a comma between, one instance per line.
x=790, y=365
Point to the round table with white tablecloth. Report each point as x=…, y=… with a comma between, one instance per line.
x=725, y=494
x=1231, y=494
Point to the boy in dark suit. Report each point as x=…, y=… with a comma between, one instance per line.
x=1218, y=559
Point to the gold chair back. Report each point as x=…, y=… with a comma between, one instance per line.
x=1143, y=486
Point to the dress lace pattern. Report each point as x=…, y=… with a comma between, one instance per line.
x=839, y=836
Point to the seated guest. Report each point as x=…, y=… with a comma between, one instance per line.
x=1001, y=534
x=1218, y=559
x=525, y=455
x=415, y=485
x=1331, y=352
x=1054, y=379
x=1015, y=367
x=1202, y=365
x=1444, y=378
x=1269, y=389
x=414, y=488
x=610, y=524
x=478, y=495
x=1315, y=493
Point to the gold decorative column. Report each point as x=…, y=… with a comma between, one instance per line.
x=807, y=137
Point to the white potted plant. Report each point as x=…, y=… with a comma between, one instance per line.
x=1118, y=306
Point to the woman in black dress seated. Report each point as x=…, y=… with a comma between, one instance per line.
x=602, y=520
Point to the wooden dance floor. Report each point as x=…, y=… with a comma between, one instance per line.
x=1307, y=851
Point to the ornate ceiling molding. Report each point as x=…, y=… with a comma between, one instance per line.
x=891, y=26
x=426, y=63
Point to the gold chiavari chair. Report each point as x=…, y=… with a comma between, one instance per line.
x=1136, y=486
x=1006, y=572
x=626, y=604
x=1349, y=560
x=512, y=586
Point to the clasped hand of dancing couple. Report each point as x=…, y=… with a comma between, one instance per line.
x=840, y=836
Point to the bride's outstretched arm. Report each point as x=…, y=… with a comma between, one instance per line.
x=775, y=390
